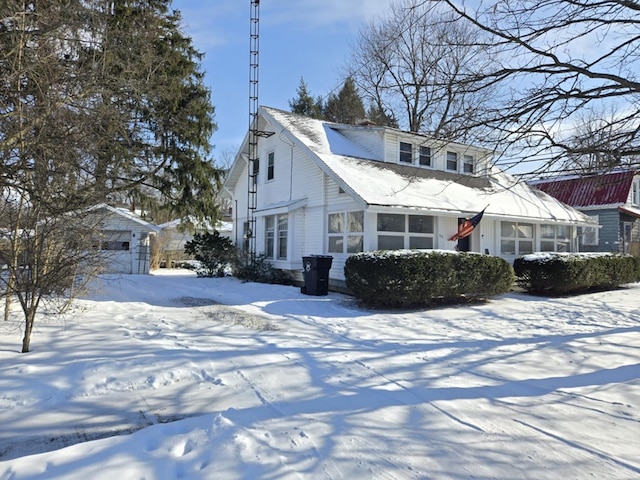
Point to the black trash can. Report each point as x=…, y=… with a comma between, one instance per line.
x=315, y=269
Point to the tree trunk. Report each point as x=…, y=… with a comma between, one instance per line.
x=30, y=315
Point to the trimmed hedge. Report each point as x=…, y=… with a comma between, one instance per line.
x=562, y=273
x=402, y=278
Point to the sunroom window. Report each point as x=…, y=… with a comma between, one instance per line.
x=555, y=238
x=516, y=238
x=397, y=231
x=346, y=230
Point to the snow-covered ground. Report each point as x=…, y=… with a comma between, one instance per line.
x=171, y=376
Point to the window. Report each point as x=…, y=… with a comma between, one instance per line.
x=590, y=234
x=467, y=163
x=256, y=170
x=269, y=236
x=397, y=232
x=635, y=192
x=406, y=154
x=516, y=238
x=555, y=238
x=271, y=159
x=115, y=240
x=425, y=156
x=452, y=161
x=276, y=235
x=346, y=231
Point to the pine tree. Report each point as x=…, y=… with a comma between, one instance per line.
x=347, y=106
x=304, y=103
x=99, y=101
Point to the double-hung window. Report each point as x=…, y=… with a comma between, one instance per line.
x=276, y=235
x=425, y=156
x=452, y=161
x=406, y=152
x=271, y=162
x=467, y=163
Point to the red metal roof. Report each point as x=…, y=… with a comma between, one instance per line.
x=589, y=191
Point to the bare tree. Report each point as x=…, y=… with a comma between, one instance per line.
x=48, y=258
x=409, y=63
x=559, y=62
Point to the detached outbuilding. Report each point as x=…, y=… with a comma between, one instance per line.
x=125, y=240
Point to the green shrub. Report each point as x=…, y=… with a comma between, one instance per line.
x=214, y=252
x=260, y=270
x=561, y=273
x=420, y=278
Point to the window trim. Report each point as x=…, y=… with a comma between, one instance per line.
x=468, y=163
x=404, y=152
x=407, y=235
x=448, y=159
x=343, y=237
x=517, y=239
x=271, y=166
x=422, y=156
x=273, y=238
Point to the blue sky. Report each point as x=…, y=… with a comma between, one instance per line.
x=298, y=38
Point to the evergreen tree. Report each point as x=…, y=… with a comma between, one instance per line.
x=99, y=101
x=346, y=106
x=304, y=104
x=156, y=152
x=378, y=116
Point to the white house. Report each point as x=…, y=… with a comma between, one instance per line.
x=334, y=189
x=124, y=240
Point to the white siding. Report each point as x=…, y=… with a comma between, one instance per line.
x=368, y=139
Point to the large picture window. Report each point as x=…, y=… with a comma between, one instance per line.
x=345, y=232
x=397, y=231
x=276, y=234
x=516, y=238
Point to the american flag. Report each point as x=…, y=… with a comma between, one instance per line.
x=466, y=227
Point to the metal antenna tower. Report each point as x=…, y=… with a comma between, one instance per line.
x=254, y=131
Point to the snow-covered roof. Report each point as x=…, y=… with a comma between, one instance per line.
x=123, y=212
x=383, y=184
x=198, y=225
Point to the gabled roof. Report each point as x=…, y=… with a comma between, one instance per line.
x=608, y=189
x=382, y=184
x=126, y=214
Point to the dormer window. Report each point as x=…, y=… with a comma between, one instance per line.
x=406, y=152
x=452, y=161
x=425, y=156
x=467, y=164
